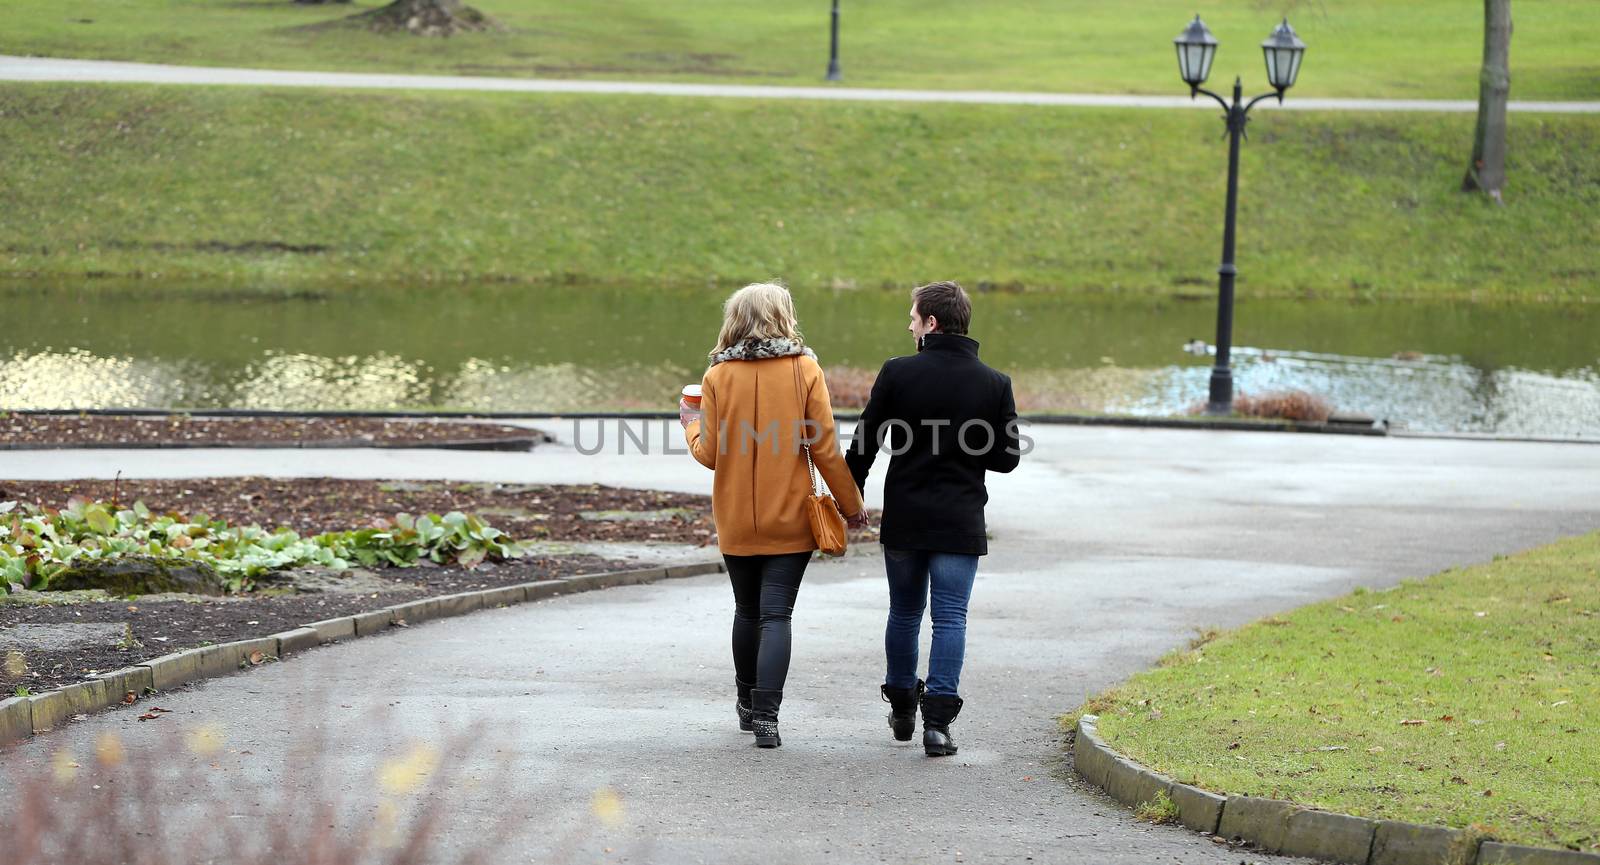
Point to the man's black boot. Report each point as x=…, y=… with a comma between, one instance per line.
x=938, y=712
x=902, y=709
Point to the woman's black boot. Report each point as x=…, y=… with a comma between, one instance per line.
x=902, y=709
x=938, y=711
x=746, y=713
x=764, y=704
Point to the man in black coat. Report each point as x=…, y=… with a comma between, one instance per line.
x=946, y=419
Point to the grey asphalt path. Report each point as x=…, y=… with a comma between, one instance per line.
x=13, y=68
x=1111, y=547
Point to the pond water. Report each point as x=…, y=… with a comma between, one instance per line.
x=1526, y=370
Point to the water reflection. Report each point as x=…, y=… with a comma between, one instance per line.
x=290, y=382
x=1428, y=393
x=1517, y=370
x=480, y=385
x=80, y=379
x=1433, y=393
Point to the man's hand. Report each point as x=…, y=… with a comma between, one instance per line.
x=857, y=520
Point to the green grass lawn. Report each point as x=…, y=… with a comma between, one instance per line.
x=1467, y=698
x=279, y=187
x=1358, y=48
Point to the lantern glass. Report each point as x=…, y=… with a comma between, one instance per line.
x=1283, y=51
x=1196, y=49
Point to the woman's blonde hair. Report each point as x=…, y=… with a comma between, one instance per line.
x=763, y=310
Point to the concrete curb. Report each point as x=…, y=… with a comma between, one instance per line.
x=21, y=717
x=1275, y=826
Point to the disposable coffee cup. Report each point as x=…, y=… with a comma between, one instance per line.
x=691, y=396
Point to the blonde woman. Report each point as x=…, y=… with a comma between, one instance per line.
x=762, y=398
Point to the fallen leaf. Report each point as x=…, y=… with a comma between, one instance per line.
x=129, y=697
x=1233, y=746
x=256, y=658
x=1412, y=722
x=1447, y=718
x=1488, y=792
x=1333, y=748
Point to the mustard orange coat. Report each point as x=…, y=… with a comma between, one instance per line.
x=748, y=434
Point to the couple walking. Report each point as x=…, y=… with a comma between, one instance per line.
x=765, y=419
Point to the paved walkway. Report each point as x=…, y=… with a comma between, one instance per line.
x=55, y=69
x=1111, y=547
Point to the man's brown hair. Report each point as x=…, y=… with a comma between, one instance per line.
x=947, y=302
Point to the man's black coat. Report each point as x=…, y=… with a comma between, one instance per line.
x=945, y=418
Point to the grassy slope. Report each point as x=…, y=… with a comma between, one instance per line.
x=416, y=187
x=1498, y=661
x=1367, y=48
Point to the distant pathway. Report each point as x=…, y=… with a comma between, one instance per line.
x=53, y=69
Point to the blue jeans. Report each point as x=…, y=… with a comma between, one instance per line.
x=915, y=578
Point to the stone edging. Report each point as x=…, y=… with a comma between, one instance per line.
x=21, y=717
x=1285, y=828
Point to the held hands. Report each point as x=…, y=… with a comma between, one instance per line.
x=857, y=520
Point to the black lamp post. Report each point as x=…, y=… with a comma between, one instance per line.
x=833, y=44
x=1196, y=49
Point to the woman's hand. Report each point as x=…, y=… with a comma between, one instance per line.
x=687, y=415
x=857, y=520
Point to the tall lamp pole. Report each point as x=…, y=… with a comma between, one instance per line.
x=833, y=44
x=1196, y=49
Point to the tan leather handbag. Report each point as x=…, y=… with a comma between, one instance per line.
x=827, y=524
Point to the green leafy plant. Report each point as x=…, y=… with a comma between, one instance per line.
x=37, y=543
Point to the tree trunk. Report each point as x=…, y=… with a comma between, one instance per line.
x=1487, y=173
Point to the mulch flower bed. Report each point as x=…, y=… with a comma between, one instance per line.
x=314, y=505
x=39, y=430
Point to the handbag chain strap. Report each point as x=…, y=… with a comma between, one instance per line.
x=799, y=392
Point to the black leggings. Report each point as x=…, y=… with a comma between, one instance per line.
x=764, y=589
